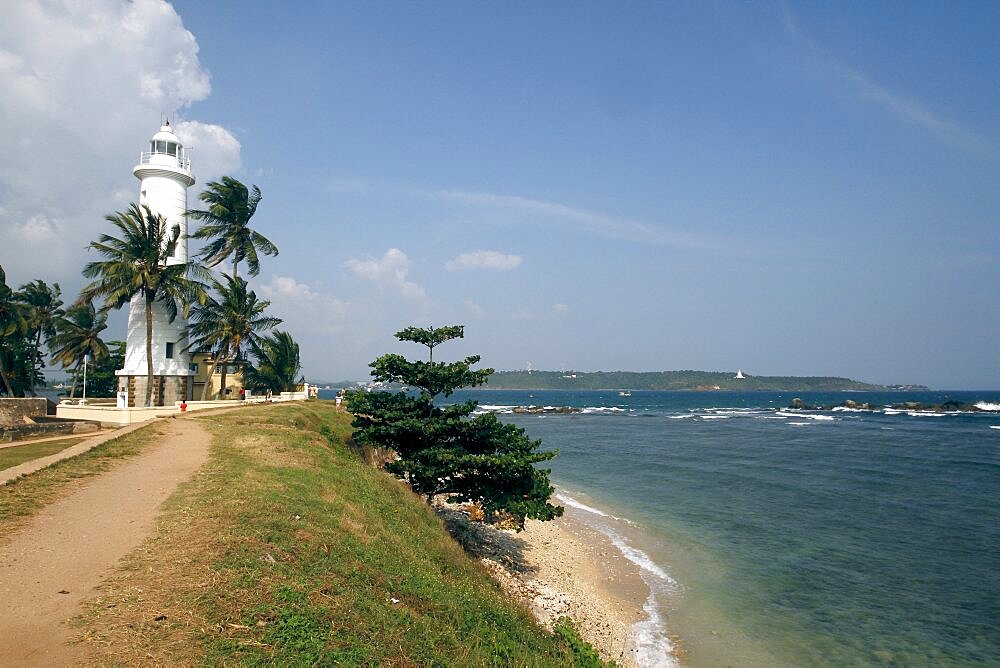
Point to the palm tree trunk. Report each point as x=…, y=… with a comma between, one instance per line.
x=76, y=376
x=34, y=360
x=225, y=368
x=149, y=351
x=211, y=372
x=3, y=375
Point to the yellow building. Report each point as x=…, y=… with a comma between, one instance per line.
x=201, y=365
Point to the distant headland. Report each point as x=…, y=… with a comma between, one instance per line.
x=681, y=380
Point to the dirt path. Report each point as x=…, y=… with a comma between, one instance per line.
x=48, y=568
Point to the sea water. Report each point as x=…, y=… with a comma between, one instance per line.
x=771, y=536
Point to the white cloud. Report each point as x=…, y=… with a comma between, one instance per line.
x=214, y=150
x=560, y=309
x=905, y=108
x=37, y=229
x=304, y=308
x=514, y=207
x=474, y=308
x=388, y=272
x=483, y=259
x=82, y=88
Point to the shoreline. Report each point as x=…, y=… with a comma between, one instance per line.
x=564, y=567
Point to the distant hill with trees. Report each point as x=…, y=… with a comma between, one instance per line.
x=675, y=380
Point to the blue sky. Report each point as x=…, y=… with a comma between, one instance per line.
x=800, y=188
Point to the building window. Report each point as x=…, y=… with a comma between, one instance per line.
x=171, y=148
x=170, y=351
x=193, y=367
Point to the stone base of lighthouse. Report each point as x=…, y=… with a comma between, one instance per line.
x=167, y=390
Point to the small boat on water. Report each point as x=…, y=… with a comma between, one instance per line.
x=624, y=393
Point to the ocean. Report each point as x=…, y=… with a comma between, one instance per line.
x=774, y=537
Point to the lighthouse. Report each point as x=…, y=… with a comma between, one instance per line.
x=164, y=173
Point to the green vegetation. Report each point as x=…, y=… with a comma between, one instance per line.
x=78, y=336
x=17, y=362
x=18, y=454
x=287, y=550
x=43, y=310
x=23, y=497
x=671, y=380
x=441, y=450
x=226, y=225
x=277, y=367
x=229, y=324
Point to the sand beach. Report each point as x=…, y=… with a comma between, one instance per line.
x=563, y=568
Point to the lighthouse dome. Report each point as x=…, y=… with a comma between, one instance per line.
x=165, y=151
x=166, y=133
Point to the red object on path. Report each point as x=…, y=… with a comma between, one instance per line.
x=184, y=406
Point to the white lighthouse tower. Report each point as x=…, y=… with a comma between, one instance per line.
x=164, y=174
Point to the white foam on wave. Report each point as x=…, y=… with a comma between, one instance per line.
x=570, y=501
x=800, y=424
x=927, y=414
x=847, y=409
x=995, y=426
x=891, y=411
x=987, y=406
x=714, y=417
x=681, y=417
x=652, y=645
x=602, y=409
x=807, y=416
x=487, y=408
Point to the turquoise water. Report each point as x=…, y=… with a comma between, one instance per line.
x=790, y=539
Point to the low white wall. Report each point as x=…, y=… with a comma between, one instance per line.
x=112, y=416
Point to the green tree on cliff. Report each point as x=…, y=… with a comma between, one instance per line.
x=442, y=449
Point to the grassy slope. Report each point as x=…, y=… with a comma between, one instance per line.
x=286, y=549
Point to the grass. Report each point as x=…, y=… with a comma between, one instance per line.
x=18, y=454
x=22, y=498
x=286, y=549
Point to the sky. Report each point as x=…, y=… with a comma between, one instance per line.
x=783, y=188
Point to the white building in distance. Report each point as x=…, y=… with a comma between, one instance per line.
x=164, y=174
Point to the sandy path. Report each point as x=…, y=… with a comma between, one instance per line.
x=48, y=568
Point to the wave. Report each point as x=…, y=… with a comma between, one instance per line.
x=807, y=416
x=987, y=406
x=486, y=408
x=592, y=410
x=652, y=646
x=995, y=426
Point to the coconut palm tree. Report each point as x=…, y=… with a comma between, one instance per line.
x=278, y=365
x=136, y=264
x=78, y=334
x=226, y=224
x=13, y=326
x=44, y=308
x=229, y=325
